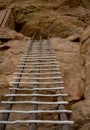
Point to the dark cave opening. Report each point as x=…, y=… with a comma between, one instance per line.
x=18, y=26
x=76, y=39
x=5, y=40
x=39, y=32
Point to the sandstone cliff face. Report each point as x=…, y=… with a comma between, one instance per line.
x=69, y=58
x=74, y=59
x=10, y=53
x=68, y=20
x=81, y=109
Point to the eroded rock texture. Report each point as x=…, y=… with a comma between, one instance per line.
x=68, y=20
x=74, y=59
x=56, y=17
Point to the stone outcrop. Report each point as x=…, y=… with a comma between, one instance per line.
x=81, y=109
x=57, y=17
x=74, y=58
x=10, y=53
x=69, y=58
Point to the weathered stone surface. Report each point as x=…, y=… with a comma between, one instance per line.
x=81, y=109
x=86, y=3
x=6, y=33
x=86, y=34
x=10, y=57
x=64, y=18
x=61, y=18
x=85, y=127
x=87, y=91
x=85, y=50
x=81, y=112
x=74, y=38
x=68, y=57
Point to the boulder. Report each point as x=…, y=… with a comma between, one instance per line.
x=81, y=112
x=9, y=58
x=85, y=126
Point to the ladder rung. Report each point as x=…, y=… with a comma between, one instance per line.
x=60, y=82
x=56, y=69
x=24, y=62
x=28, y=66
x=39, y=51
x=36, y=48
x=34, y=60
x=17, y=73
x=57, y=88
x=37, y=78
x=37, y=121
x=38, y=95
x=38, y=66
x=37, y=60
x=38, y=57
x=34, y=102
x=36, y=111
